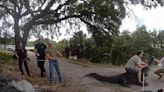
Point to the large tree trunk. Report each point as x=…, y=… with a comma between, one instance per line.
x=26, y=30
x=17, y=32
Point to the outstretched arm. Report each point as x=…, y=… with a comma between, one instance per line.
x=58, y=53
x=156, y=60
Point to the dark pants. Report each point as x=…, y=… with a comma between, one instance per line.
x=54, y=64
x=41, y=66
x=25, y=65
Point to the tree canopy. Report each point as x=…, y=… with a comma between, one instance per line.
x=102, y=15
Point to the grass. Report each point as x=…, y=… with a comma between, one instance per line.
x=6, y=55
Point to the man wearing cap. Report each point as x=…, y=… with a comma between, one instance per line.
x=40, y=53
x=51, y=56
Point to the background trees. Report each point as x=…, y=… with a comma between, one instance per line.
x=101, y=17
x=51, y=15
x=118, y=50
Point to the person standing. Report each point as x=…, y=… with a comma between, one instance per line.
x=21, y=54
x=40, y=53
x=51, y=56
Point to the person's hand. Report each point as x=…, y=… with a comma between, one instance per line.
x=37, y=54
x=146, y=65
x=28, y=59
x=63, y=58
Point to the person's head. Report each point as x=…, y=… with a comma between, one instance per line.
x=20, y=44
x=140, y=53
x=40, y=40
x=50, y=43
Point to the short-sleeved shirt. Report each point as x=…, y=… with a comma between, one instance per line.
x=41, y=50
x=133, y=62
x=21, y=52
x=51, y=51
x=162, y=62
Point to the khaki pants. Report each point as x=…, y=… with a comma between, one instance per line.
x=160, y=71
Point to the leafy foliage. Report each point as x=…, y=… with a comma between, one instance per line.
x=51, y=15
x=119, y=50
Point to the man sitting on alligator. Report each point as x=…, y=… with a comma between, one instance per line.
x=135, y=68
x=135, y=65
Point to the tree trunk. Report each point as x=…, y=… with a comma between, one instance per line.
x=17, y=32
x=26, y=30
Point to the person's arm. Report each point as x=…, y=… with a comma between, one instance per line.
x=141, y=64
x=36, y=52
x=49, y=57
x=58, y=53
x=156, y=60
x=16, y=54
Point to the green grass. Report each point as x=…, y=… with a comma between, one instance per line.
x=5, y=55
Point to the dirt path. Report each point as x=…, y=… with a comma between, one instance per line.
x=73, y=73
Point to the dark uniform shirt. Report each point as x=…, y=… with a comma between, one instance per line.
x=21, y=52
x=41, y=50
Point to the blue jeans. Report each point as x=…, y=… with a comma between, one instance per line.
x=54, y=64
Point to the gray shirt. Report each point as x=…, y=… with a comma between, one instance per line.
x=133, y=62
x=51, y=51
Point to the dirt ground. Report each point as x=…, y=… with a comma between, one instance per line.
x=75, y=82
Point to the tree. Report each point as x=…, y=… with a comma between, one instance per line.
x=141, y=38
x=61, y=45
x=147, y=3
x=77, y=44
x=52, y=14
x=161, y=38
x=6, y=37
x=154, y=38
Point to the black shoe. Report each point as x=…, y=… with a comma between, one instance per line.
x=141, y=84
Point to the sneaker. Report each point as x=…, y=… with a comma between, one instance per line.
x=141, y=84
x=52, y=83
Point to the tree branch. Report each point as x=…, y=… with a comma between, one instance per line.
x=27, y=5
x=7, y=9
x=49, y=5
x=52, y=21
x=21, y=6
x=86, y=22
x=91, y=25
x=42, y=5
x=14, y=2
x=61, y=5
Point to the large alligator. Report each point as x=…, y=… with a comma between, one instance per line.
x=125, y=79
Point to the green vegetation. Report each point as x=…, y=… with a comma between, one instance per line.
x=102, y=18
x=118, y=49
x=5, y=55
